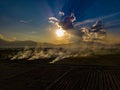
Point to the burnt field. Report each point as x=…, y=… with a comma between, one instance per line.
x=94, y=72
x=59, y=77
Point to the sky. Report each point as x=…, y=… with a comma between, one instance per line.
x=28, y=19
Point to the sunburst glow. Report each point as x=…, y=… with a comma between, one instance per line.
x=60, y=32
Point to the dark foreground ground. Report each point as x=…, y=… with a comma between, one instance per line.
x=60, y=77
x=91, y=73
x=96, y=72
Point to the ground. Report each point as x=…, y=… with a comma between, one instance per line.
x=98, y=72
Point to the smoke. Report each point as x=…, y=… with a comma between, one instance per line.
x=55, y=54
x=70, y=54
x=26, y=53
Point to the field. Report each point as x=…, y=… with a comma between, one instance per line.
x=94, y=72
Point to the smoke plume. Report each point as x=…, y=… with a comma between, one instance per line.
x=59, y=53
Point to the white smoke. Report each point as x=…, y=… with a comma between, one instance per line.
x=26, y=53
x=55, y=54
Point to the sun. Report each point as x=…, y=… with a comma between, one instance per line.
x=60, y=32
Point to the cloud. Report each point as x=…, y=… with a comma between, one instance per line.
x=13, y=38
x=111, y=15
x=113, y=23
x=95, y=19
x=33, y=32
x=1, y=36
x=25, y=21
x=7, y=38
x=61, y=13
